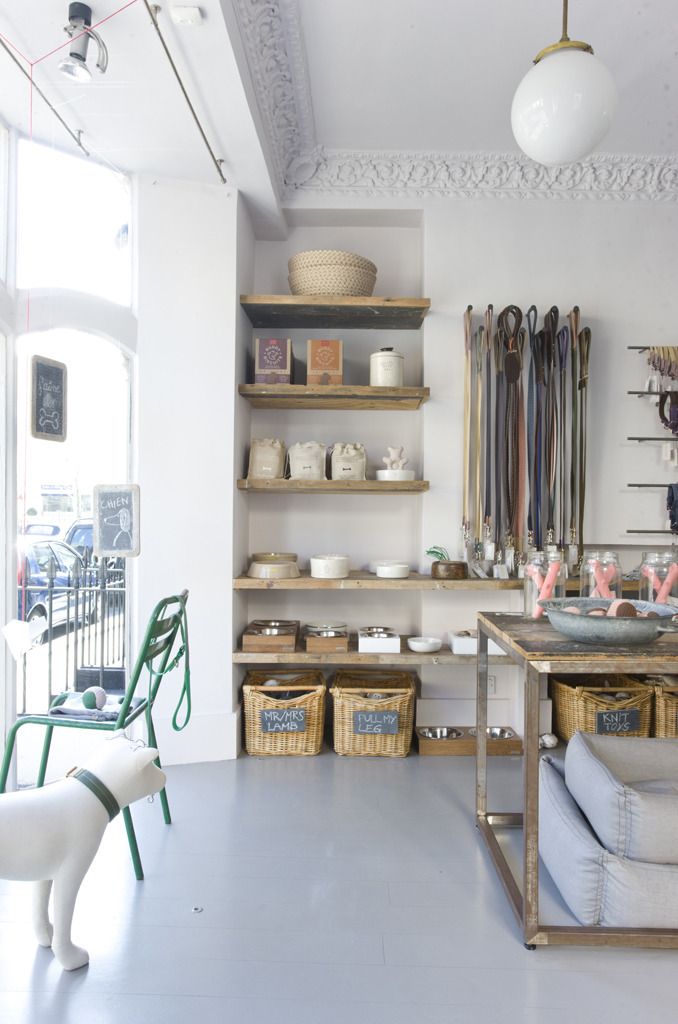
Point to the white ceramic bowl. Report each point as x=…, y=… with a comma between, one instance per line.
x=393, y=570
x=329, y=567
x=424, y=644
x=395, y=474
x=273, y=570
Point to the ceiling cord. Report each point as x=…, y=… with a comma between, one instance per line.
x=153, y=12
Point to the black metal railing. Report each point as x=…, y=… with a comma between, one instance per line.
x=83, y=639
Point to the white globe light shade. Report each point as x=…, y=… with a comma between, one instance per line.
x=563, y=107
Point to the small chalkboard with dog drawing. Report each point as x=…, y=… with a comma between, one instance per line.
x=116, y=520
x=48, y=399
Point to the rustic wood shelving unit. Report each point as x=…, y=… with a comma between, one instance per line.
x=334, y=486
x=333, y=396
x=406, y=657
x=369, y=581
x=333, y=311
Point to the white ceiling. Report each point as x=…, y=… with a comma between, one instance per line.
x=280, y=84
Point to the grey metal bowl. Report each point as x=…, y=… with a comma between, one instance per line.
x=495, y=732
x=598, y=629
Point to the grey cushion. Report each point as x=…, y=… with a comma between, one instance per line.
x=628, y=790
x=598, y=887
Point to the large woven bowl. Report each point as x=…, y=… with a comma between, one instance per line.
x=329, y=258
x=334, y=280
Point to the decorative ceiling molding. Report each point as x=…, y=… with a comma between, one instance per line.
x=273, y=40
x=271, y=34
x=473, y=175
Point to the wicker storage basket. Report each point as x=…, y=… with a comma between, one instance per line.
x=329, y=258
x=576, y=703
x=665, y=723
x=306, y=694
x=352, y=694
x=332, y=281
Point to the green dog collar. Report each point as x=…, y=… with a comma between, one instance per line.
x=97, y=787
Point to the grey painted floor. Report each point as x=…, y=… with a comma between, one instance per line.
x=331, y=890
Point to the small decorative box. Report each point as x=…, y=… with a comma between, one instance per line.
x=325, y=361
x=273, y=361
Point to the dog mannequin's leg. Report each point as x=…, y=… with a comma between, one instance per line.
x=41, y=923
x=66, y=886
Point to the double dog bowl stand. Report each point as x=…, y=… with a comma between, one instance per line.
x=538, y=651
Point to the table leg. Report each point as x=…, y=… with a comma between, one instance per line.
x=531, y=807
x=481, y=725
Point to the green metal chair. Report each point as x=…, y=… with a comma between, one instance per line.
x=164, y=646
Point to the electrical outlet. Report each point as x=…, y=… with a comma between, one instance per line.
x=491, y=686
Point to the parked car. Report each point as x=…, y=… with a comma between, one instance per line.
x=80, y=535
x=33, y=581
x=42, y=529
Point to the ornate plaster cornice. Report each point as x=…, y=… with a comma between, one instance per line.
x=271, y=34
x=472, y=175
x=273, y=41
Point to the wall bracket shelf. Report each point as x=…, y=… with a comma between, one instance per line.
x=334, y=486
x=359, y=580
x=335, y=311
x=332, y=396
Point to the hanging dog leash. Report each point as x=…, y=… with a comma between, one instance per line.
x=584, y=350
x=465, y=521
x=488, y=547
x=573, y=318
x=551, y=420
x=563, y=339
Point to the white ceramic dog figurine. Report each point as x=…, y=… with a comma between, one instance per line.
x=52, y=834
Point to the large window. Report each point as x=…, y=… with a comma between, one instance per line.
x=73, y=223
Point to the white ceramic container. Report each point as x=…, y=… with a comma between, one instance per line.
x=392, y=570
x=424, y=644
x=395, y=474
x=386, y=369
x=329, y=567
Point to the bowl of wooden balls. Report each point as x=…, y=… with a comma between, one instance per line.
x=614, y=623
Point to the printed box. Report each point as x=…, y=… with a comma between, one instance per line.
x=324, y=361
x=273, y=361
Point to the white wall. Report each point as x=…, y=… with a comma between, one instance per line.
x=187, y=310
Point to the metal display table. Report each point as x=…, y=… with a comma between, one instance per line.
x=536, y=648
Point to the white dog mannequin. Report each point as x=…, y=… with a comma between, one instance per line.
x=52, y=834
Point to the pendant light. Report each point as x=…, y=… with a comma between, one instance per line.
x=565, y=104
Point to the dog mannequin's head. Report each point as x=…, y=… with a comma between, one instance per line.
x=126, y=768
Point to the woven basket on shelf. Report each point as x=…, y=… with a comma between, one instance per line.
x=333, y=280
x=329, y=258
x=666, y=711
x=306, y=693
x=351, y=693
x=575, y=706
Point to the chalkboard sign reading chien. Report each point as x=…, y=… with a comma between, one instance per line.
x=116, y=520
x=48, y=399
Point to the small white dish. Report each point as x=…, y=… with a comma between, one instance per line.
x=273, y=570
x=424, y=644
x=329, y=567
x=392, y=570
x=395, y=474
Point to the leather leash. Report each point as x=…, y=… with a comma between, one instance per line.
x=509, y=324
x=478, y=438
x=584, y=350
x=467, y=426
x=500, y=414
x=563, y=339
x=551, y=420
x=488, y=548
x=573, y=318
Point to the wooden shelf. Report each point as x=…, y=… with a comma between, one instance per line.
x=334, y=486
x=335, y=311
x=406, y=657
x=332, y=396
x=369, y=581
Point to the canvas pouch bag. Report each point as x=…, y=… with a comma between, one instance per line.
x=349, y=461
x=267, y=459
x=307, y=460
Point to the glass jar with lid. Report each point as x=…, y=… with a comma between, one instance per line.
x=601, y=575
x=658, y=576
x=545, y=575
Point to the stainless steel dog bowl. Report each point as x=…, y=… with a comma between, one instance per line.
x=495, y=732
x=274, y=623
x=439, y=732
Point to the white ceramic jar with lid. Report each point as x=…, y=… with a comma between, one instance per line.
x=386, y=369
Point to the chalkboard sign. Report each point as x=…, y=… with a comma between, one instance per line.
x=283, y=719
x=116, y=520
x=619, y=721
x=48, y=399
x=376, y=723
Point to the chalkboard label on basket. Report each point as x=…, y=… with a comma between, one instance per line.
x=283, y=719
x=376, y=723
x=620, y=721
